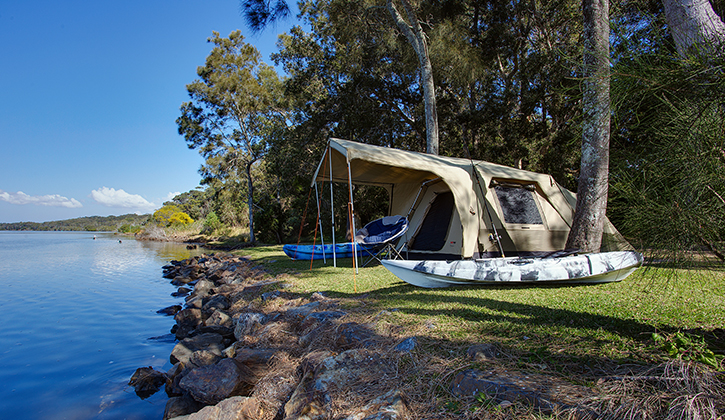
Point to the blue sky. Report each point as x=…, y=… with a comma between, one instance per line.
x=89, y=94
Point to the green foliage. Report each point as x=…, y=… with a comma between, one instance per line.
x=687, y=347
x=212, y=224
x=667, y=189
x=235, y=104
x=126, y=228
x=196, y=203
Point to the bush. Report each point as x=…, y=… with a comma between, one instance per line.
x=212, y=224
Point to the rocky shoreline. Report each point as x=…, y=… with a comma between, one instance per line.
x=250, y=349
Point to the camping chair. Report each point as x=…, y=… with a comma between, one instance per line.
x=380, y=235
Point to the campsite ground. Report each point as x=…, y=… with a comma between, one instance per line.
x=580, y=334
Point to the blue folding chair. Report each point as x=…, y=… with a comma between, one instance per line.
x=379, y=237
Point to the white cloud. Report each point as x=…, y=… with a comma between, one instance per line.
x=52, y=200
x=111, y=197
x=170, y=196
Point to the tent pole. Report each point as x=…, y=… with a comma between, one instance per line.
x=332, y=208
x=319, y=220
x=352, y=217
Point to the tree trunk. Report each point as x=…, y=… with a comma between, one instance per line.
x=591, y=201
x=415, y=35
x=695, y=26
x=250, y=200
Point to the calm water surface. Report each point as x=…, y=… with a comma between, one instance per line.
x=79, y=316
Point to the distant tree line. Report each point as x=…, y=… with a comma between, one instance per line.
x=125, y=223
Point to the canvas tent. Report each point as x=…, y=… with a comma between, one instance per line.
x=455, y=213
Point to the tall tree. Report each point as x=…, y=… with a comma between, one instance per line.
x=416, y=37
x=591, y=203
x=233, y=107
x=695, y=26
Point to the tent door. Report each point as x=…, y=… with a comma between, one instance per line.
x=431, y=235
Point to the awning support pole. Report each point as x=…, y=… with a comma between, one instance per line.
x=352, y=220
x=332, y=208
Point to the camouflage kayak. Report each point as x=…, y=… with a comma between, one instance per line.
x=601, y=267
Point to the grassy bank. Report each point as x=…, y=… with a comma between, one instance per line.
x=582, y=334
x=563, y=326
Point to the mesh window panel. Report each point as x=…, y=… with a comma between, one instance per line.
x=518, y=206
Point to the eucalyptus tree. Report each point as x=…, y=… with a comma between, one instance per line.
x=234, y=106
x=695, y=27
x=411, y=27
x=593, y=188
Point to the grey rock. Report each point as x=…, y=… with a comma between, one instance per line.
x=208, y=341
x=302, y=311
x=407, y=345
x=182, y=291
x=219, y=318
x=214, y=383
x=216, y=302
x=146, y=381
x=247, y=323
x=170, y=310
x=233, y=408
x=187, y=320
x=353, y=335
x=180, y=406
x=201, y=358
x=203, y=288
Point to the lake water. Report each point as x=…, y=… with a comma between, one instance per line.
x=78, y=317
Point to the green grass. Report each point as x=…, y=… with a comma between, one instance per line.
x=562, y=327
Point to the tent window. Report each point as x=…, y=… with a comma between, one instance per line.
x=518, y=205
x=432, y=233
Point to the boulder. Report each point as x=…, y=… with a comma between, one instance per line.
x=184, y=349
x=180, y=406
x=201, y=358
x=182, y=291
x=301, y=312
x=407, y=345
x=214, y=383
x=234, y=408
x=180, y=280
x=146, y=381
x=170, y=310
x=544, y=392
x=219, y=318
x=187, y=320
x=353, y=335
x=203, y=288
x=247, y=323
x=216, y=302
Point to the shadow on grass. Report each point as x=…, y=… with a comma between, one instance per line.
x=534, y=331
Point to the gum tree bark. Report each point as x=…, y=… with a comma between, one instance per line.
x=415, y=35
x=593, y=188
x=695, y=26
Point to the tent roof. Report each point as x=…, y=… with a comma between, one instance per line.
x=385, y=166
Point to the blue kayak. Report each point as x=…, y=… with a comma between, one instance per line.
x=315, y=252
